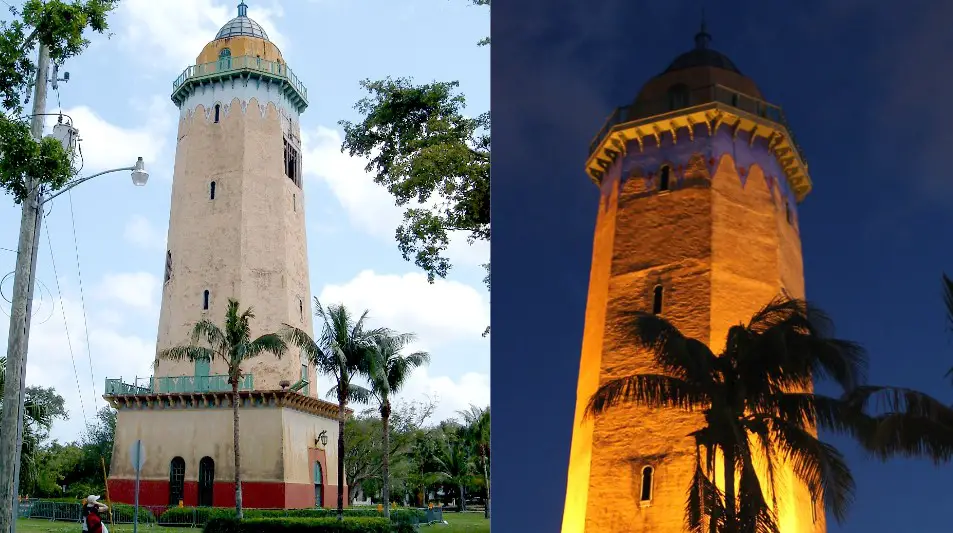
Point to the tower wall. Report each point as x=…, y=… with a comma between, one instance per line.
x=720, y=246
x=249, y=242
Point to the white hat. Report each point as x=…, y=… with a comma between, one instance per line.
x=92, y=499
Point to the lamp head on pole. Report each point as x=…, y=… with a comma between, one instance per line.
x=139, y=175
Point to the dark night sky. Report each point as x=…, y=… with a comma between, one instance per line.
x=866, y=87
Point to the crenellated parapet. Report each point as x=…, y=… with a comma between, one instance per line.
x=713, y=121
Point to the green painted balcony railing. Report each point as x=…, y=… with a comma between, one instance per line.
x=231, y=64
x=175, y=384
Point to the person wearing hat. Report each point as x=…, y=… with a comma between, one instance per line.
x=92, y=519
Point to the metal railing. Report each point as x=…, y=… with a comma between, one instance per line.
x=678, y=101
x=231, y=64
x=166, y=515
x=176, y=384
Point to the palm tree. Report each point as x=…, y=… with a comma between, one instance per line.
x=454, y=462
x=757, y=387
x=233, y=346
x=387, y=372
x=477, y=430
x=343, y=351
x=38, y=417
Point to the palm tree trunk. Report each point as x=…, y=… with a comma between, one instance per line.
x=342, y=405
x=238, y=455
x=463, y=498
x=385, y=466
x=730, y=507
x=486, y=476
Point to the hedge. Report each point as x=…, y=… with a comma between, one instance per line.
x=201, y=515
x=304, y=525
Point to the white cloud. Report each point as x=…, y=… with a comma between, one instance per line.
x=368, y=205
x=76, y=372
x=106, y=146
x=142, y=233
x=177, y=30
x=438, y=312
x=138, y=290
x=449, y=395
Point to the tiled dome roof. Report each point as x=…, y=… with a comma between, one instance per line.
x=241, y=25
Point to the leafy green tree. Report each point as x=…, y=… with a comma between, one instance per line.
x=42, y=406
x=388, y=370
x=60, y=26
x=432, y=158
x=755, y=391
x=454, y=461
x=476, y=431
x=343, y=350
x=233, y=346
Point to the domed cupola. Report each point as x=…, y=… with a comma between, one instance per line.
x=241, y=26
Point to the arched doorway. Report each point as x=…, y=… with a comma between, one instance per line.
x=206, y=481
x=176, y=480
x=318, y=485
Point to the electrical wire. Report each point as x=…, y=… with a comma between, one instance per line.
x=82, y=299
x=69, y=341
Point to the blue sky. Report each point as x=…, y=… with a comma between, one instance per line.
x=118, y=97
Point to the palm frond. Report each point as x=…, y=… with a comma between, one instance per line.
x=819, y=465
x=268, y=343
x=189, y=353
x=649, y=390
x=676, y=354
x=206, y=331
x=311, y=350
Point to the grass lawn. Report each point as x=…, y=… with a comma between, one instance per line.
x=466, y=522
x=469, y=522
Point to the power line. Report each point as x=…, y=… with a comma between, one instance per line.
x=69, y=341
x=82, y=299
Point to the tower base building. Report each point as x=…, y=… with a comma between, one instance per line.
x=236, y=231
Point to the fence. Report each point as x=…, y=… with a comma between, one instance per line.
x=197, y=516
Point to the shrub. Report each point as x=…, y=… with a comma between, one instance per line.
x=300, y=525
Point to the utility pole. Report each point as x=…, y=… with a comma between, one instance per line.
x=21, y=311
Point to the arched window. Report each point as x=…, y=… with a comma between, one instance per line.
x=224, y=59
x=176, y=480
x=205, y=298
x=657, y=300
x=206, y=481
x=211, y=190
x=301, y=308
x=218, y=110
x=665, y=178
x=318, y=485
x=678, y=97
x=648, y=477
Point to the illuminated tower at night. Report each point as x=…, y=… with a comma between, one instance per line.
x=700, y=179
x=236, y=231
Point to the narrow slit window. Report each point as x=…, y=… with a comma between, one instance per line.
x=205, y=298
x=294, y=202
x=301, y=308
x=218, y=109
x=665, y=178
x=648, y=474
x=168, y=266
x=292, y=163
x=657, y=300
x=787, y=211
x=211, y=191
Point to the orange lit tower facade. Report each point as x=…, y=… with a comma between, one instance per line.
x=236, y=231
x=700, y=179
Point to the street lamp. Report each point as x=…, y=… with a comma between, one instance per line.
x=24, y=279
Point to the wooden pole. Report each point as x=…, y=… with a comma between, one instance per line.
x=102, y=461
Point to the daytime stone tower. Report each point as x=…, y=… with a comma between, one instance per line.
x=700, y=179
x=236, y=230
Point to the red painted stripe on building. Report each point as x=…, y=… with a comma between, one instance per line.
x=255, y=494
